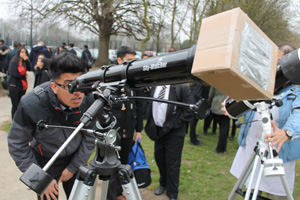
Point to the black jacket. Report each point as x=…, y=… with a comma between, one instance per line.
x=35, y=52
x=129, y=115
x=25, y=135
x=176, y=118
x=14, y=75
x=9, y=56
x=41, y=76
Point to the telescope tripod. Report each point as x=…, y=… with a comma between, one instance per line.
x=270, y=164
x=104, y=165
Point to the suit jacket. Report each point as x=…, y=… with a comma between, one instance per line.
x=176, y=117
x=129, y=115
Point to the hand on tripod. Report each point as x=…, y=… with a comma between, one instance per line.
x=277, y=137
x=51, y=192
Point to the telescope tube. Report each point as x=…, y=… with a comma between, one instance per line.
x=173, y=68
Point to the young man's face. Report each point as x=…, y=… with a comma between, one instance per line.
x=127, y=56
x=64, y=97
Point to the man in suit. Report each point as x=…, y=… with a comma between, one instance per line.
x=166, y=125
x=129, y=119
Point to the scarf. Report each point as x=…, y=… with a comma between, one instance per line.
x=22, y=72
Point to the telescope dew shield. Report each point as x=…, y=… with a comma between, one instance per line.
x=290, y=66
x=36, y=179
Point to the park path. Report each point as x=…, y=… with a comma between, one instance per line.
x=10, y=185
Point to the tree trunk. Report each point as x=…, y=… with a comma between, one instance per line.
x=103, y=47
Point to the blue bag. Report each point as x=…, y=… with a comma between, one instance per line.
x=138, y=162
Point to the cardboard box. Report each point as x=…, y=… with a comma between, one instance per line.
x=235, y=56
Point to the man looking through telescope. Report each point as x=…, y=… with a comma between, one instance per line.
x=53, y=103
x=285, y=126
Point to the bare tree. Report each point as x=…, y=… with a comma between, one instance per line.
x=179, y=12
x=159, y=23
x=269, y=15
x=198, y=9
x=101, y=17
x=136, y=22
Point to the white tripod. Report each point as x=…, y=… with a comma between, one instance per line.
x=271, y=165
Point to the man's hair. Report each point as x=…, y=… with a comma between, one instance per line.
x=17, y=45
x=2, y=41
x=86, y=46
x=64, y=44
x=66, y=63
x=123, y=50
x=286, y=48
x=41, y=43
x=71, y=45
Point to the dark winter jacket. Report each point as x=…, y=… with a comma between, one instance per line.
x=9, y=57
x=14, y=75
x=129, y=115
x=35, y=52
x=41, y=76
x=25, y=137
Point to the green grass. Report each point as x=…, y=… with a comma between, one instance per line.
x=5, y=127
x=204, y=174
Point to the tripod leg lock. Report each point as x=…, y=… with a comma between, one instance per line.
x=125, y=174
x=87, y=175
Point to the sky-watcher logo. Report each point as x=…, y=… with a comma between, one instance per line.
x=160, y=64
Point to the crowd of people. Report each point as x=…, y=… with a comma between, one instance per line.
x=166, y=124
x=17, y=61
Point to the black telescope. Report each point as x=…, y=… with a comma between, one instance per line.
x=167, y=69
x=288, y=72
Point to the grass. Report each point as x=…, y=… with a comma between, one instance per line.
x=204, y=174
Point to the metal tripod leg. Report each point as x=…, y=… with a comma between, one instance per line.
x=104, y=190
x=237, y=189
x=129, y=184
x=83, y=186
x=287, y=189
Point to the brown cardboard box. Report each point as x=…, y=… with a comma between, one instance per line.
x=235, y=56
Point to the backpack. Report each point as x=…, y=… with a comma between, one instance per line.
x=138, y=162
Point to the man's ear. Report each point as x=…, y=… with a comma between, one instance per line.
x=53, y=87
x=119, y=60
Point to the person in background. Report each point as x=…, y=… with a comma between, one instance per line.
x=71, y=49
x=196, y=90
x=37, y=50
x=53, y=103
x=215, y=98
x=17, y=83
x=129, y=116
x=145, y=56
x=166, y=125
x=56, y=51
x=3, y=54
x=86, y=56
x=62, y=49
x=41, y=70
x=171, y=49
x=12, y=53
